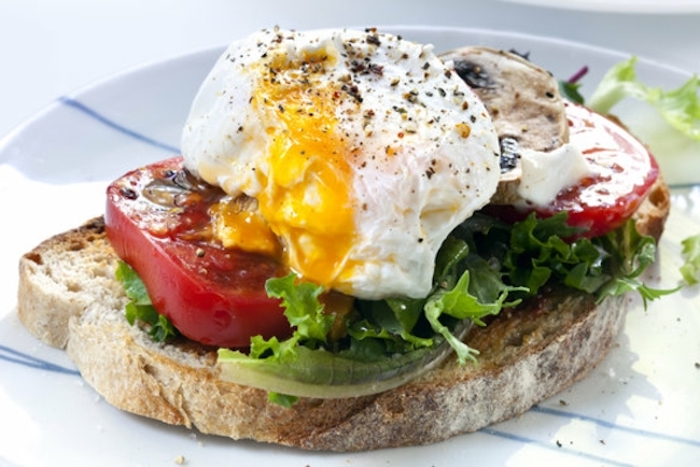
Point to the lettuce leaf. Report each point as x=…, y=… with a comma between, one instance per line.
x=536, y=252
x=302, y=307
x=284, y=400
x=679, y=107
x=691, y=255
x=304, y=313
x=571, y=91
x=459, y=303
x=140, y=307
x=397, y=325
x=629, y=255
x=485, y=265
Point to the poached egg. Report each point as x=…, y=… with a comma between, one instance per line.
x=360, y=151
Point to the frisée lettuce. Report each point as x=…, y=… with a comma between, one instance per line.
x=140, y=307
x=691, y=254
x=484, y=266
x=680, y=107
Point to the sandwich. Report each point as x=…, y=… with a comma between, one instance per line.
x=364, y=244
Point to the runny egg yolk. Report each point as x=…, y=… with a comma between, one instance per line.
x=238, y=224
x=306, y=198
x=362, y=150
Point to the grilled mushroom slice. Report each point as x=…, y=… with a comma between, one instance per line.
x=524, y=102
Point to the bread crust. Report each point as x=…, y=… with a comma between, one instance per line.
x=68, y=298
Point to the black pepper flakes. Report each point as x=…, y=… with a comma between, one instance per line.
x=374, y=39
x=376, y=69
x=353, y=91
x=411, y=96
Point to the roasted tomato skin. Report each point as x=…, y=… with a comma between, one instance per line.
x=623, y=173
x=212, y=295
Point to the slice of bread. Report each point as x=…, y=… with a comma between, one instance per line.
x=68, y=298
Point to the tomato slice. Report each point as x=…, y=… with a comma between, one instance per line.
x=623, y=171
x=158, y=221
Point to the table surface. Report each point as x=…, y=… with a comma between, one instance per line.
x=49, y=49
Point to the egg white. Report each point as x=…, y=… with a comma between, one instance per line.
x=419, y=147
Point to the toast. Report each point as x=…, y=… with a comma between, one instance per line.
x=68, y=298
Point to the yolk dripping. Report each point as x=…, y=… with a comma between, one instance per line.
x=306, y=197
x=237, y=224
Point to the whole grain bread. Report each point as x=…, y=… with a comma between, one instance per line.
x=68, y=298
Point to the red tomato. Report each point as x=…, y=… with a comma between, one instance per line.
x=623, y=172
x=157, y=221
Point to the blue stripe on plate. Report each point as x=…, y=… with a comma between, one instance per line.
x=613, y=426
x=115, y=126
x=553, y=447
x=15, y=356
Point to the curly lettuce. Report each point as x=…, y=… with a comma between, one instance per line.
x=690, y=270
x=486, y=265
x=680, y=107
x=140, y=307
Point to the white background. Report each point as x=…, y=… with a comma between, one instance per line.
x=49, y=48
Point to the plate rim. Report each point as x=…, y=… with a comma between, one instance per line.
x=393, y=28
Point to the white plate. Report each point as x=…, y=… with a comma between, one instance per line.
x=623, y=6
x=638, y=407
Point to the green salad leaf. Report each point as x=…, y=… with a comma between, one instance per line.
x=459, y=303
x=484, y=266
x=690, y=269
x=397, y=325
x=630, y=255
x=679, y=107
x=535, y=252
x=140, y=307
x=282, y=399
x=570, y=88
x=571, y=91
x=304, y=313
